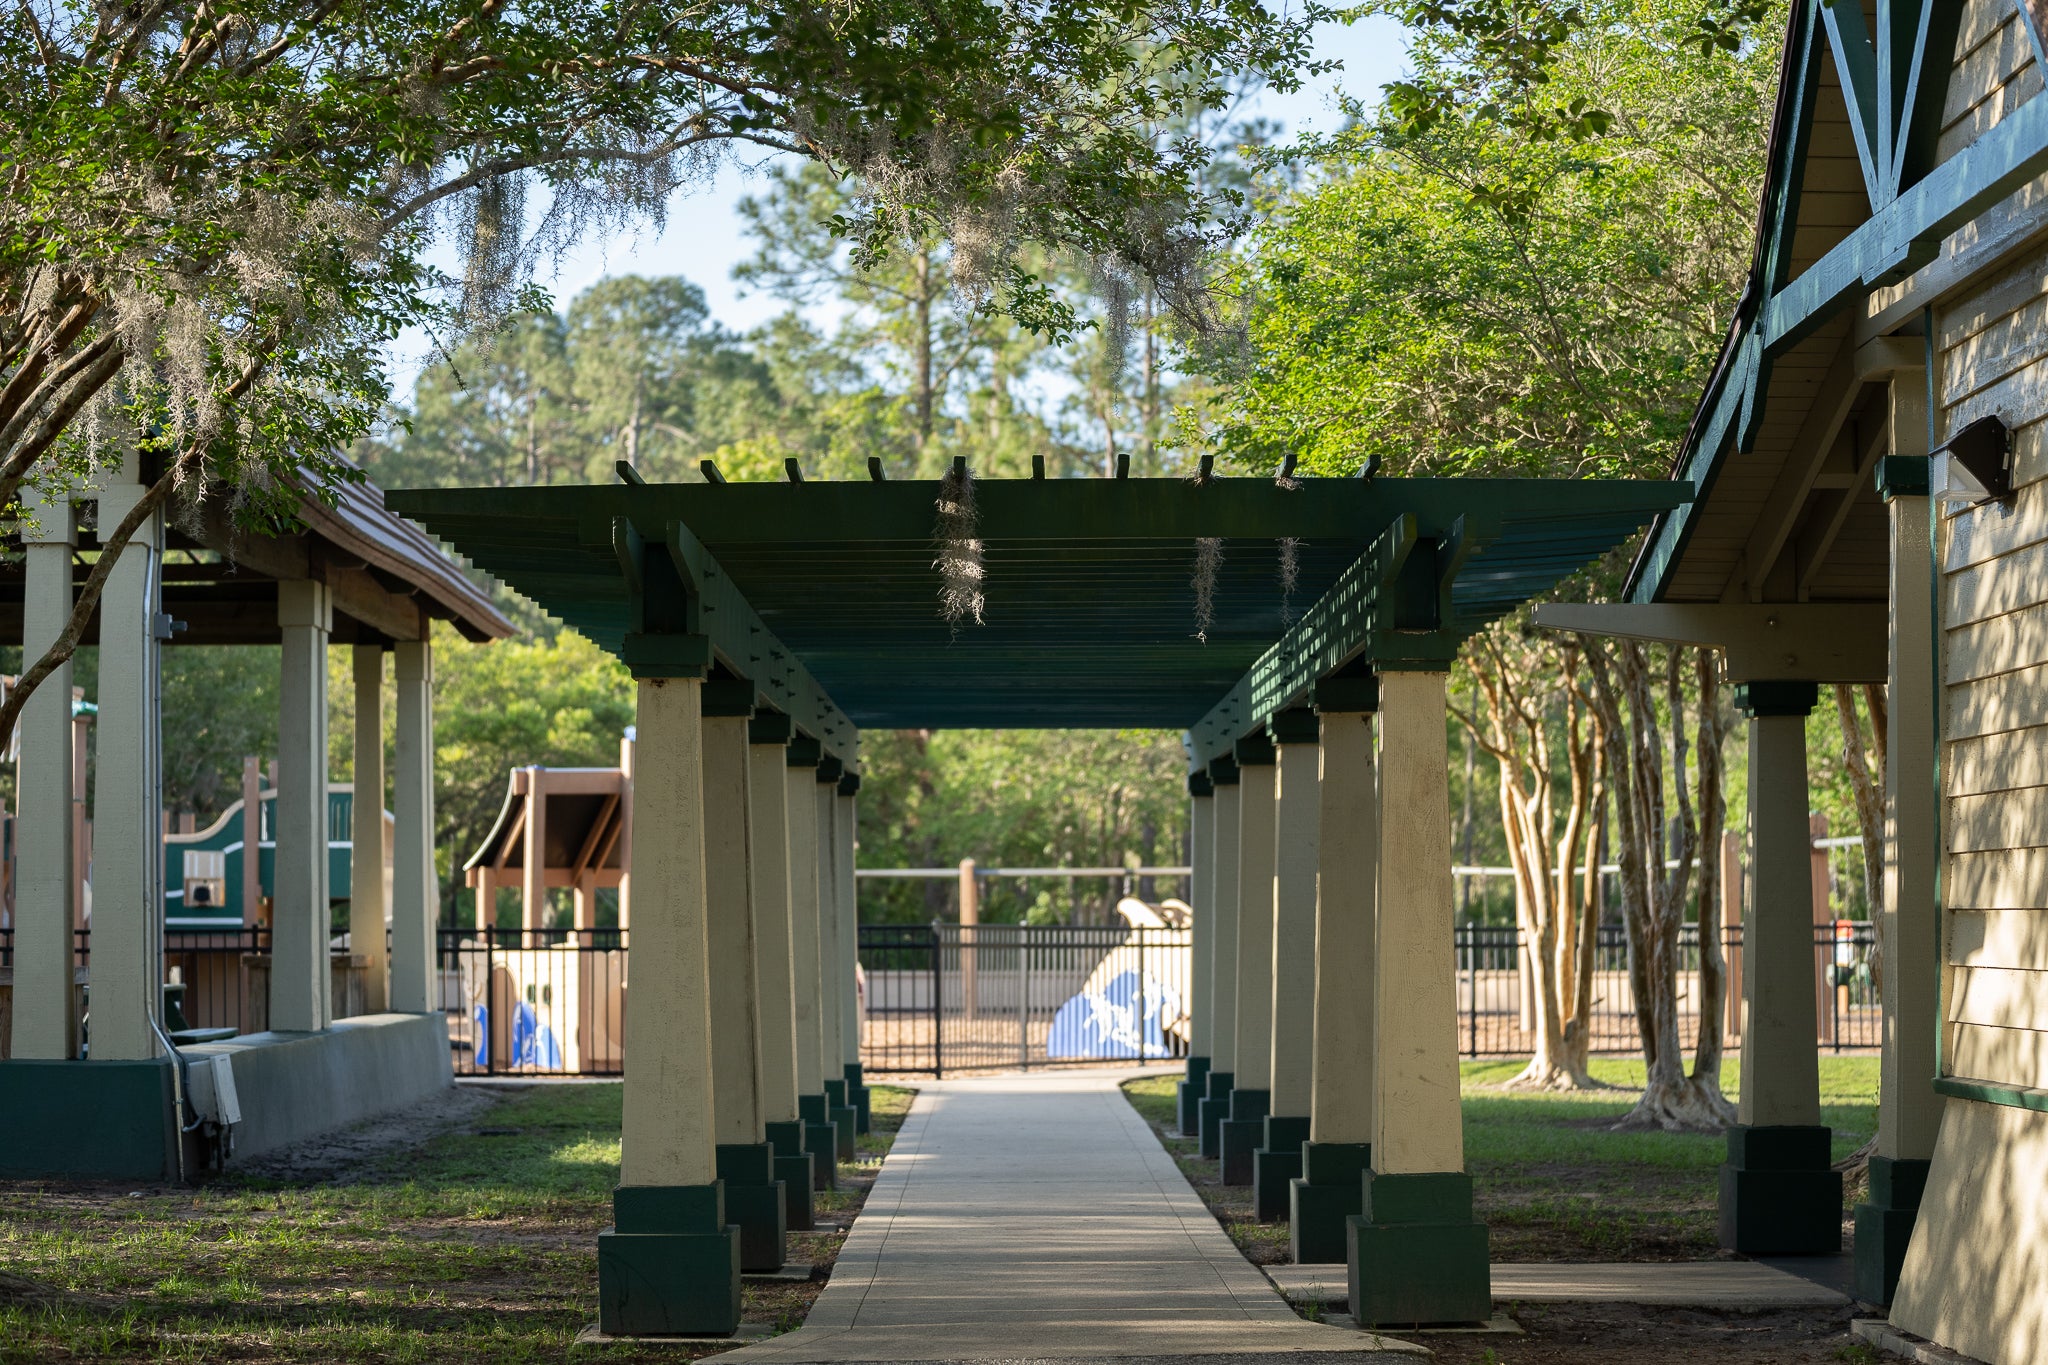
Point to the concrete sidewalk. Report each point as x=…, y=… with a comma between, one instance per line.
x=1667, y=1284
x=1038, y=1218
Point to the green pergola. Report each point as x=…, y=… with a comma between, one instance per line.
x=1221, y=607
x=824, y=595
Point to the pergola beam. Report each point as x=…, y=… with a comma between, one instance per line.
x=1832, y=642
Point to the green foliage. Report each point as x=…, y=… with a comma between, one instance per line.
x=220, y=705
x=1478, y=296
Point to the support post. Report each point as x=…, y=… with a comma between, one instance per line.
x=1778, y=1195
x=366, y=909
x=533, y=853
x=670, y=1265
x=300, y=968
x=832, y=957
x=1416, y=1253
x=746, y=1161
x=1202, y=950
x=45, y=894
x=415, y=885
x=1251, y=1094
x=1291, y=968
x=768, y=735
x=850, y=1012
x=819, y=1138
x=1215, y=1106
x=1339, y=1148
x=1908, y=1109
x=970, y=927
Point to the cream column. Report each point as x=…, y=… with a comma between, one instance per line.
x=824, y=796
x=1779, y=1195
x=1339, y=1149
x=1214, y=1109
x=1418, y=1126
x=1297, y=820
x=671, y=1262
x=1780, y=1062
x=415, y=884
x=768, y=882
x=668, y=1124
x=1417, y=1253
x=1908, y=1109
x=299, y=966
x=843, y=839
x=1255, y=864
x=1250, y=1093
x=1201, y=950
x=735, y=1006
x=803, y=917
x=45, y=892
x=366, y=909
x=128, y=869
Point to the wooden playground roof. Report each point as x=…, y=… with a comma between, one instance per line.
x=825, y=596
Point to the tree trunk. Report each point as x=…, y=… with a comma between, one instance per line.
x=1654, y=898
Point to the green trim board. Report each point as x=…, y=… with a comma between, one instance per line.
x=825, y=593
x=1916, y=205
x=1992, y=1092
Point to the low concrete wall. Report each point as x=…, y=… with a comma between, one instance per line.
x=298, y=1085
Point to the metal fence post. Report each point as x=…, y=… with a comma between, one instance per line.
x=1024, y=997
x=938, y=1006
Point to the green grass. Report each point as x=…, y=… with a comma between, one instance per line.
x=1552, y=1181
x=471, y=1248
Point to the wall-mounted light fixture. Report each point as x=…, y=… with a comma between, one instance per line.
x=1975, y=466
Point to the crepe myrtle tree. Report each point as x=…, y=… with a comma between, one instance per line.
x=216, y=212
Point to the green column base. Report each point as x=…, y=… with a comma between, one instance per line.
x=1416, y=1255
x=845, y=1118
x=670, y=1265
x=1189, y=1095
x=1276, y=1164
x=754, y=1203
x=821, y=1140
x=857, y=1096
x=89, y=1120
x=795, y=1168
x=811, y=1108
x=1329, y=1193
x=1241, y=1134
x=1213, y=1109
x=1778, y=1197
x=1884, y=1225
x=835, y=1094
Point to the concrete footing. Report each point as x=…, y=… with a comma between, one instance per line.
x=1212, y=1111
x=670, y=1264
x=754, y=1203
x=1778, y=1195
x=1325, y=1199
x=1884, y=1225
x=1276, y=1165
x=857, y=1096
x=1417, y=1256
x=1189, y=1095
x=797, y=1170
x=1240, y=1134
x=821, y=1139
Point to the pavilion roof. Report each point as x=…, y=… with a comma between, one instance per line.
x=825, y=594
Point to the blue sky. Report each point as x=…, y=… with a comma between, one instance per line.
x=703, y=240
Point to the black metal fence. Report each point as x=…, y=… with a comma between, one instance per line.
x=948, y=998
x=217, y=978
x=535, y=1001
x=1497, y=1014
